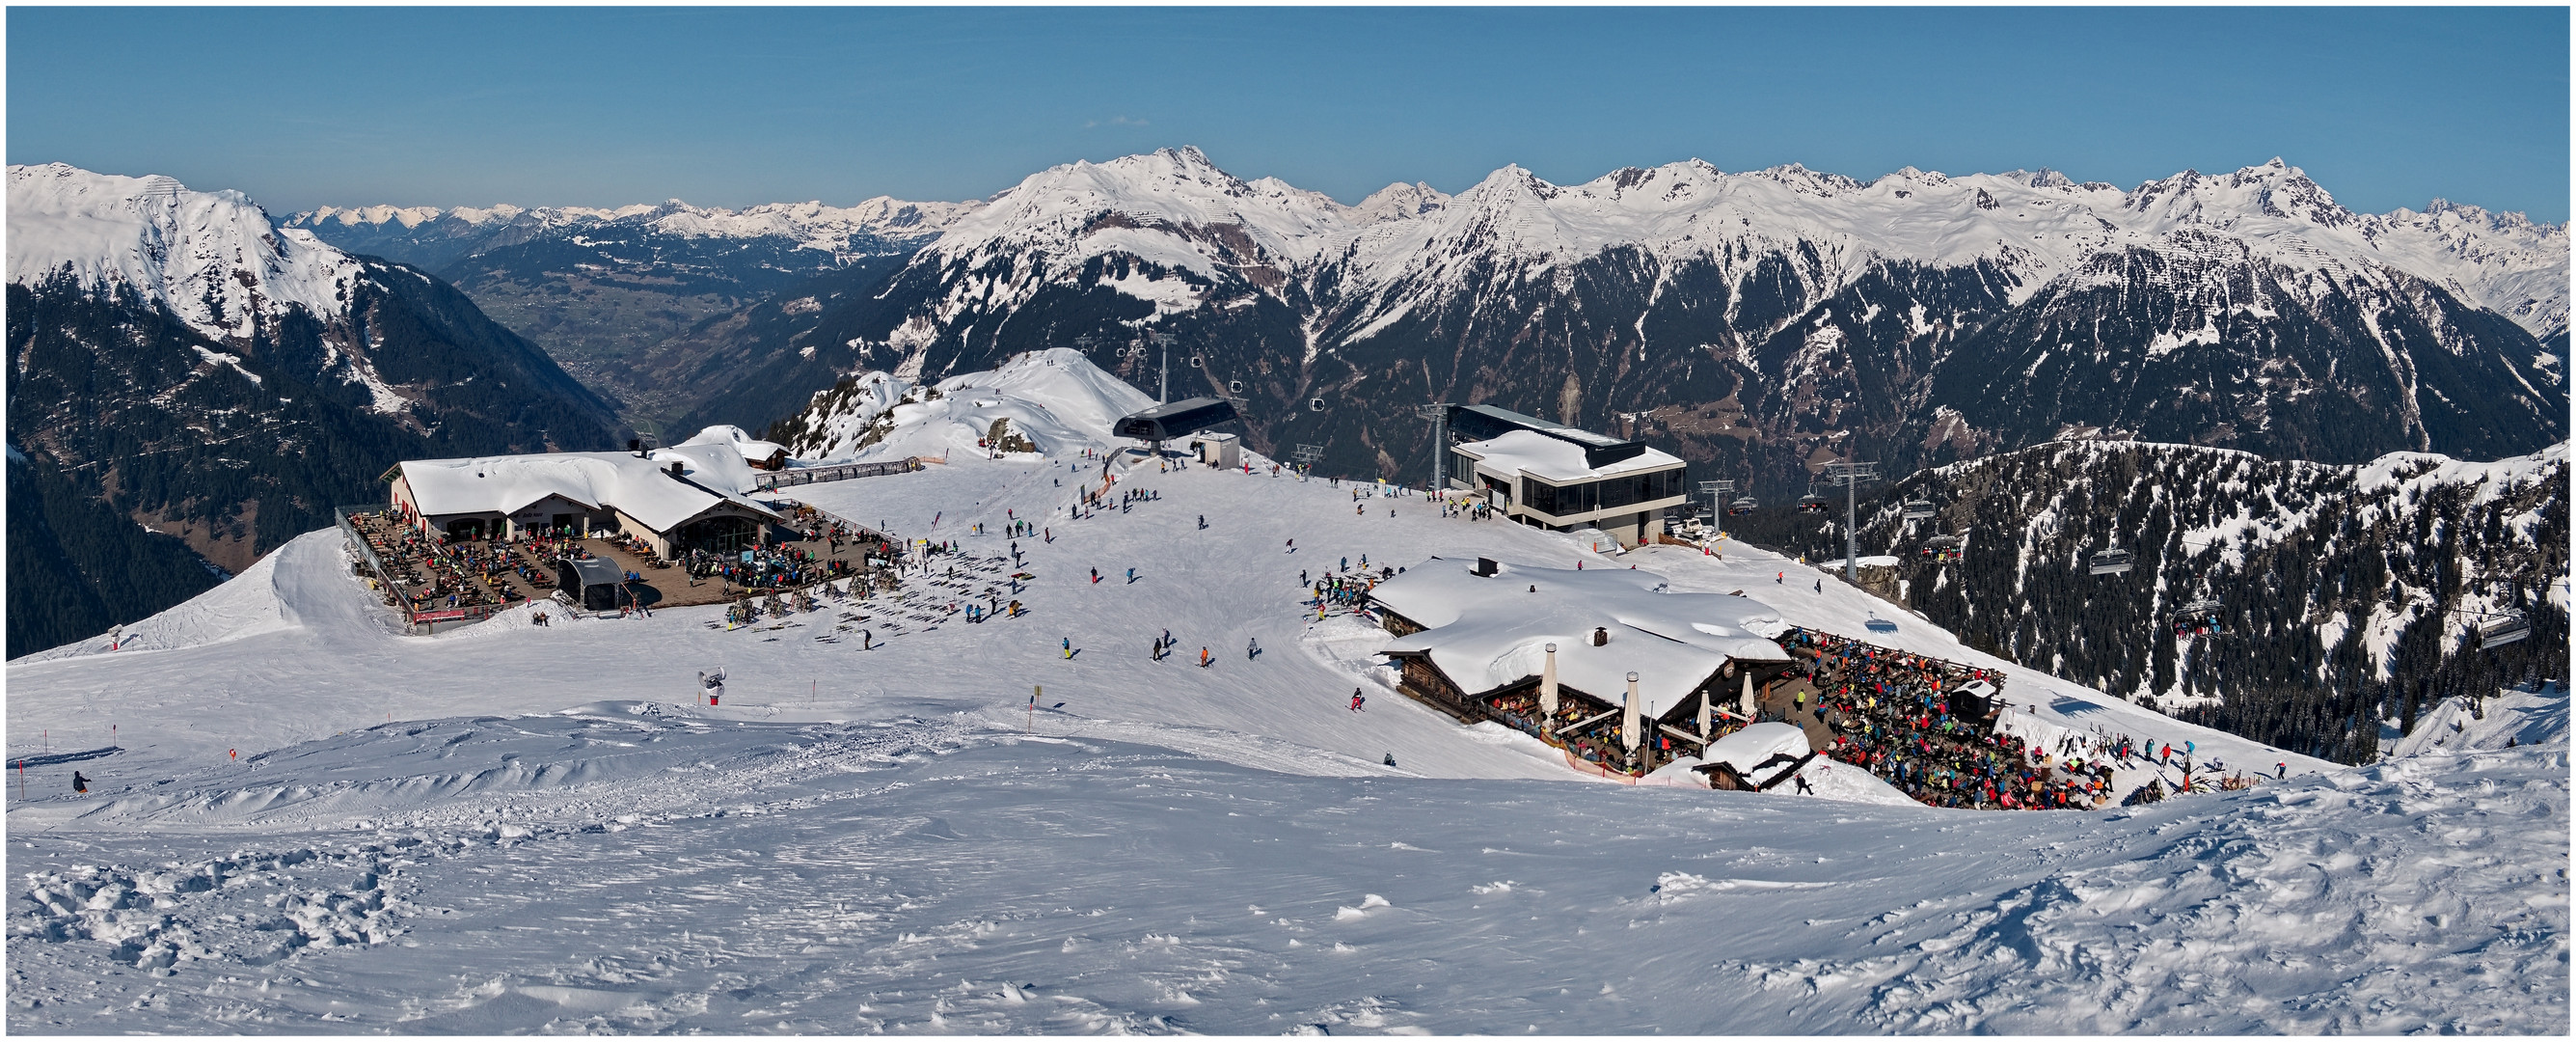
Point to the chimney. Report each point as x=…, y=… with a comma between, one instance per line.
x=675, y=468
x=635, y=445
x=1600, y=636
x=1485, y=566
x=1547, y=691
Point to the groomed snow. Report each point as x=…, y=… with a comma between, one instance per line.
x=512, y=828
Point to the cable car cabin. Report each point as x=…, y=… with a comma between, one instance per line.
x=1812, y=504
x=2500, y=630
x=1742, y=505
x=1169, y=422
x=1944, y=548
x=2112, y=562
x=2199, y=619
x=1917, y=509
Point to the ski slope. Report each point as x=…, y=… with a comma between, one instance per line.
x=509, y=828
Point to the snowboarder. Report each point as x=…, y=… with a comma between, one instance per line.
x=1068, y=647
x=1356, y=700
x=1252, y=649
x=1205, y=659
x=79, y=784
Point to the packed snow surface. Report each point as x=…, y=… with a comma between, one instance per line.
x=513, y=828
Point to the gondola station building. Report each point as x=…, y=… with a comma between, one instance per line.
x=1562, y=478
x=1609, y=665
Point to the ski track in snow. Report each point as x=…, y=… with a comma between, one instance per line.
x=519, y=829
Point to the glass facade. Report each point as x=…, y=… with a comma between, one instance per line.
x=1605, y=494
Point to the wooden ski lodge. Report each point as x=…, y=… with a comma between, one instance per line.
x=1609, y=665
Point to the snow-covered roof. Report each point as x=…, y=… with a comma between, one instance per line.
x=642, y=487
x=752, y=449
x=1485, y=633
x=1558, y=460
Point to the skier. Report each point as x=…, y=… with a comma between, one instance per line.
x=1356, y=700
x=1390, y=759
x=1820, y=586
x=1252, y=649
x=1095, y=576
x=1131, y=577
x=1779, y=578
x=1205, y=659
x=79, y=784
x=2281, y=770
x=1202, y=522
x=1068, y=647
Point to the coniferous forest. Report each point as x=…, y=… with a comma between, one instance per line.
x=2348, y=595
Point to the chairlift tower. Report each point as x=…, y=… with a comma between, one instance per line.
x=1163, y=390
x=1438, y=414
x=1717, y=492
x=1849, y=475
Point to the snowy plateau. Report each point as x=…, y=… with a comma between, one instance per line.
x=511, y=828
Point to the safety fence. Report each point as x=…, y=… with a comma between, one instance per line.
x=772, y=479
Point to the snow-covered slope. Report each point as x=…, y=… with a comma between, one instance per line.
x=1056, y=399
x=211, y=257
x=896, y=838
x=181, y=367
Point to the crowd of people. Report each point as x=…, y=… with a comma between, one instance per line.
x=1900, y=716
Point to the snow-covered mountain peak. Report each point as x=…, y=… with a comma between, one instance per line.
x=212, y=257
x=1401, y=202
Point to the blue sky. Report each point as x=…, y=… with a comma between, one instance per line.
x=301, y=107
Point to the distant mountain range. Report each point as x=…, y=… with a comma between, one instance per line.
x=191, y=387
x=1755, y=322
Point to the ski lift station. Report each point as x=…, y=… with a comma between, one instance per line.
x=1604, y=663
x=1561, y=478
x=1178, y=419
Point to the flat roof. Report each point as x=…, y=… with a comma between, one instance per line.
x=1560, y=461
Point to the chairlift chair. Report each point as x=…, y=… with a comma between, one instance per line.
x=1314, y=405
x=1942, y=548
x=1812, y=503
x=2199, y=619
x=1917, y=509
x=1742, y=505
x=2112, y=562
x=1234, y=387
